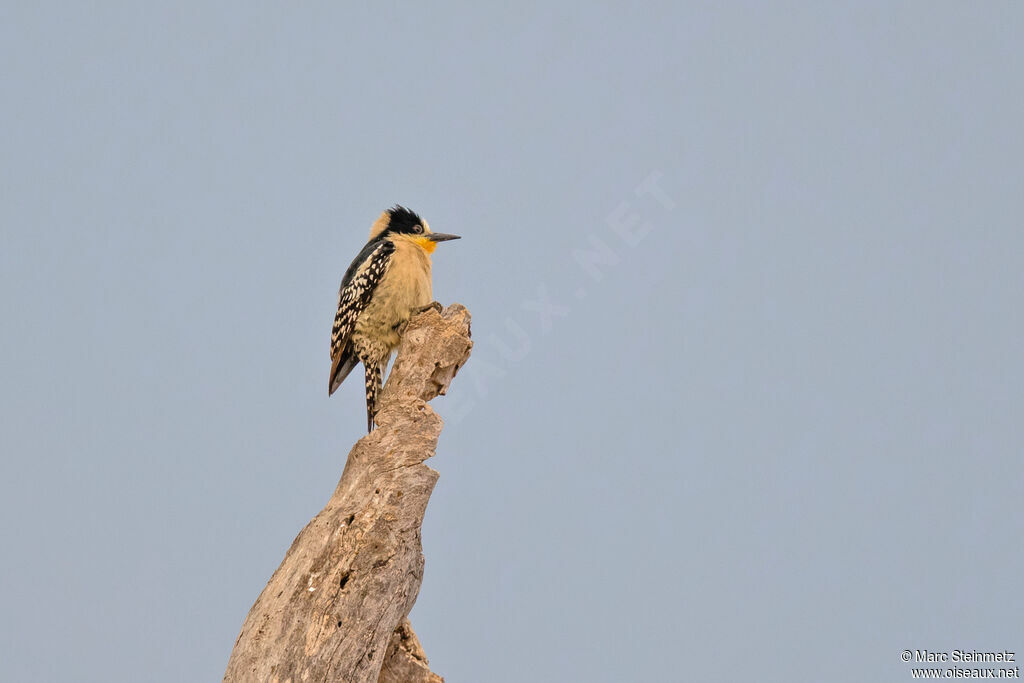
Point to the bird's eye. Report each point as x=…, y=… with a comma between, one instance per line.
x=417, y=229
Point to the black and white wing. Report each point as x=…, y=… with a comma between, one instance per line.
x=357, y=287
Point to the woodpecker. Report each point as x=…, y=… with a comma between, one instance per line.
x=386, y=284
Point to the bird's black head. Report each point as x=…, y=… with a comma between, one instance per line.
x=403, y=220
x=403, y=223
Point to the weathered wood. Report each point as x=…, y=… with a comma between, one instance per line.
x=405, y=661
x=336, y=608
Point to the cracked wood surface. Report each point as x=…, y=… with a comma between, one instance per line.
x=336, y=608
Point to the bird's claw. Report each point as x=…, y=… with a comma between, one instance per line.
x=401, y=327
x=433, y=304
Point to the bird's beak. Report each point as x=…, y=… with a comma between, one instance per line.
x=441, y=237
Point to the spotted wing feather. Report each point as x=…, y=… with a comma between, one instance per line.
x=357, y=287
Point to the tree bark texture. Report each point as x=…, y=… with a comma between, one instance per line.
x=336, y=608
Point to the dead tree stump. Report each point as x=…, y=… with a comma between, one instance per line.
x=336, y=608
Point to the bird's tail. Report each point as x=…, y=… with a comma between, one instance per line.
x=373, y=382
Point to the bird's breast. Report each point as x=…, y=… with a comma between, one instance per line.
x=405, y=288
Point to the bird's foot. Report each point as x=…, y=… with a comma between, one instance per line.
x=433, y=304
x=400, y=327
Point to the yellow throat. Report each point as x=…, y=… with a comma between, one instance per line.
x=425, y=243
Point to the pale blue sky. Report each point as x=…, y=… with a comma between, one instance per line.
x=775, y=434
